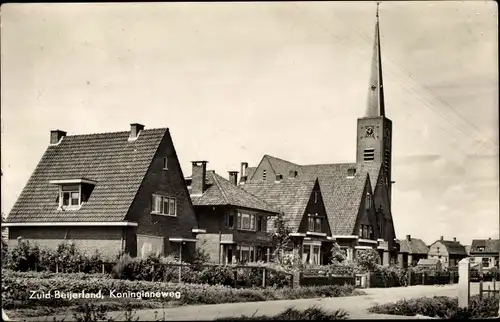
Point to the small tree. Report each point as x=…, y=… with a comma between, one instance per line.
x=367, y=259
x=281, y=237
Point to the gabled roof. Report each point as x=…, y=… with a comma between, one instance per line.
x=289, y=196
x=341, y=195
x=490, y=246
x=115, y=163
x=221, y=192
x=453, y=248
x=413, y=246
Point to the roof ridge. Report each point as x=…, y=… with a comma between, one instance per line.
x=279, y=159
x=115, y=132
x=216, y=180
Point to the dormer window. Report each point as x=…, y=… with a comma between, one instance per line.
x=73, y=193
x=165, y=163
x=368, y=201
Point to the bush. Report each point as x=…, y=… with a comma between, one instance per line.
x=441, y=307
x=311, y=313
x=16, y=291
x=23, y=257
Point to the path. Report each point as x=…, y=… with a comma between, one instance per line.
x=356, y=305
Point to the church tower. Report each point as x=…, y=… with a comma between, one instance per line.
x=374, y=133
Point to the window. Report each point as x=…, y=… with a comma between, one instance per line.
x=165, y=163
x=387, y=159
x=70, y=196
x=369, y=154
x=314, y=223
x=486, y=262
x=368, y=202
x=230, y=220
x=246, y=253
x=366, y=231
x=481, y=249
x=246, y=221
x=264, y=174
x=261, y=223
x=163, y=205
x=315, y=197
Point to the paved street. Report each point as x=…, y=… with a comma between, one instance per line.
x=356, y=306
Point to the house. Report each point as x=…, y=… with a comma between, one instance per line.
x=449, y=252
x=234, y=221
x=114, y=192
x=301, y=205
x=411, y=251
x=429, y=264
x=343, y=185
x=486, y=252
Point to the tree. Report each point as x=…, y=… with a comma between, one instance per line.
x=281, y=237
x=367, y=259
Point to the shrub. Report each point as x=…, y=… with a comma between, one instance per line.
x=15, y=290
x=311, y=313
x=440, y=306
x=23, y=257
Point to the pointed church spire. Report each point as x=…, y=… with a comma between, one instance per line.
x=376, y=93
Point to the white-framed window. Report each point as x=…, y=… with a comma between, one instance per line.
x=246, y=253
x=368, y=201
x=69, y=196
x=246, y=221
x=163, y=205
x=165, y=163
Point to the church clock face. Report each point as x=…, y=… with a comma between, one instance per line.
x=369, y=131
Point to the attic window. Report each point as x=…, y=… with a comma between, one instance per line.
x=73, y=193
x=369, y=154
x=165, y=163
x=264, y=175
x=481, y=249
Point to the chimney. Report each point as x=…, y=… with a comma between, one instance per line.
x=135, y=128
x=56, y=136
x=198, y=177
x=442, y=238
x=233, y=177
x=408, y=237
x=244, y=166
x=455, y=239
x=292, y=174
x=351, y=172
x=279, y=177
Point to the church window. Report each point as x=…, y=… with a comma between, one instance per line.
x=368, y=201
x=369, y=154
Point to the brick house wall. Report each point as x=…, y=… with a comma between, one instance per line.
x=109, y=241
x=169, y=183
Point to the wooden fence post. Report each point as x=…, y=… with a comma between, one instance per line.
x=409, y=278
x=103, y=272
x=57, y=268
x=180, y=272
x=423, y=278
x=263, y=277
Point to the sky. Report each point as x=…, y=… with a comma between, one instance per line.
x=234, y=81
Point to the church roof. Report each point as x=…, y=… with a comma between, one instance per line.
x=376, y=92
x=221, y=192
x=341, y=194
x=289, y=195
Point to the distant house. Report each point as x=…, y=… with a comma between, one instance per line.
x=234, y=221
x=486, y=252
x=113, y=192
x=411, y=250
x=429, y=264
x=449, y=252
